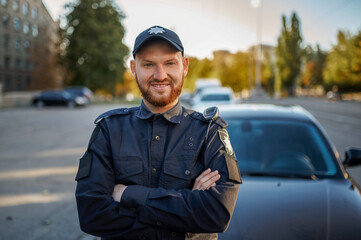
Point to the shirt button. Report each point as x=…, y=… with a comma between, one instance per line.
x=174, y=234
x=157, y=138
x=154, y=170
x=191, y=138
x=159, y=223
x=191, y=144
x=187, y=172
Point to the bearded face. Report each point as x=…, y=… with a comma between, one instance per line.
x=164, y=98
x=159, y=70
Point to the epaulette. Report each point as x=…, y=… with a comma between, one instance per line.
x=200, y=117
x=114, y=112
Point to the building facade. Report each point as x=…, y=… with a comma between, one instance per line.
x=28, y=37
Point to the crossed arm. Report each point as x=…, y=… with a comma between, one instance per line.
x=203, y=182
x=109, y=210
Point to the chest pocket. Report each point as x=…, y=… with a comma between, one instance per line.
x=180, y=172
x=129, y=170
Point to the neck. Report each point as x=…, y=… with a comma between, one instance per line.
x=163, y=109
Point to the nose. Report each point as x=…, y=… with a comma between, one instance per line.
x=160, y=73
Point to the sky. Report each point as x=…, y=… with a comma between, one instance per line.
x=234, y=25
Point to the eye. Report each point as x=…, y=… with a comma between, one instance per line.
x=147, y=64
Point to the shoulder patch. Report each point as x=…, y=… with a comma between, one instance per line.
x=119, y=111
x=223, y=135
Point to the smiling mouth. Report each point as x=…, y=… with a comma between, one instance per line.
x=160, y=85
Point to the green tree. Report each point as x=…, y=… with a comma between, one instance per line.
x=93, y=51
x=268, y=73
x=289, y=53
x=315, y=62
x=235, y=72
x=343, y=64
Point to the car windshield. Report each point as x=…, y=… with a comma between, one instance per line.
x=280, y=147
x=74, y=91
x=215, y=97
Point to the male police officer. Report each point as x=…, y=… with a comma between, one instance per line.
x=159, y=170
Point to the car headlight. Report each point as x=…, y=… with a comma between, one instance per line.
x=79, y=100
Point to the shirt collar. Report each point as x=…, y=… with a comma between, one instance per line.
x=144, y=112
x=173, y=115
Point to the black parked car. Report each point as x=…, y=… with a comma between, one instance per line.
x=58, y=98
x=294, y=184
x=81, y=91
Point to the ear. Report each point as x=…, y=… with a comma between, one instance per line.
x=132, y=67
x=185, y=65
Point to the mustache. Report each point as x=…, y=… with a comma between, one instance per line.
x=155, y=81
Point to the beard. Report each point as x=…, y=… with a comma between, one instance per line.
x=164, y=99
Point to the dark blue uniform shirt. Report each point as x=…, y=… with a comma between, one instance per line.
x=158, y=156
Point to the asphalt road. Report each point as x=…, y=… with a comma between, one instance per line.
x=40, y=150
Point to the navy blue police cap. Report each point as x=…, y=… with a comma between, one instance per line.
x=157, y=32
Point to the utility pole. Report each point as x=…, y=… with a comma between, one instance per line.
x=258, y=91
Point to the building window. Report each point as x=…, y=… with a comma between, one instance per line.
x=4, y=2
x=26, y=27
x=34, y=12
x=15, y=5
x=18, y=83
x=28, y=81
x=26, y=8
x=7, y=62
x=27, y=44
x=34, y=30
x=17, y=63
x=27, y=65
x=17, y=43
x=7, y=83
x=5, y=19
x=6, y=41
x=17, y=24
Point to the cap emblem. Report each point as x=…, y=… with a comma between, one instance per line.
x=156, y=30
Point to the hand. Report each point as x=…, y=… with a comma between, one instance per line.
x=118, y=192
x=206, y=180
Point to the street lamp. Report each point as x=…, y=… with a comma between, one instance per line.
x=258, y=91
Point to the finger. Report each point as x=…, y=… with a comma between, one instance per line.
x=213, y=185
x=212, y=180
x=208, y=176
x=207, y=181
x=204, y=173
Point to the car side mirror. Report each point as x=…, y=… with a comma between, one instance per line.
x=352, y=156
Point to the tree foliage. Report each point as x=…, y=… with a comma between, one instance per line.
x=289, y=53
x=235, y=70
x=197, y=69
x=93, y=50
x=315, y=62
x=343, y=64
x=231, y=69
